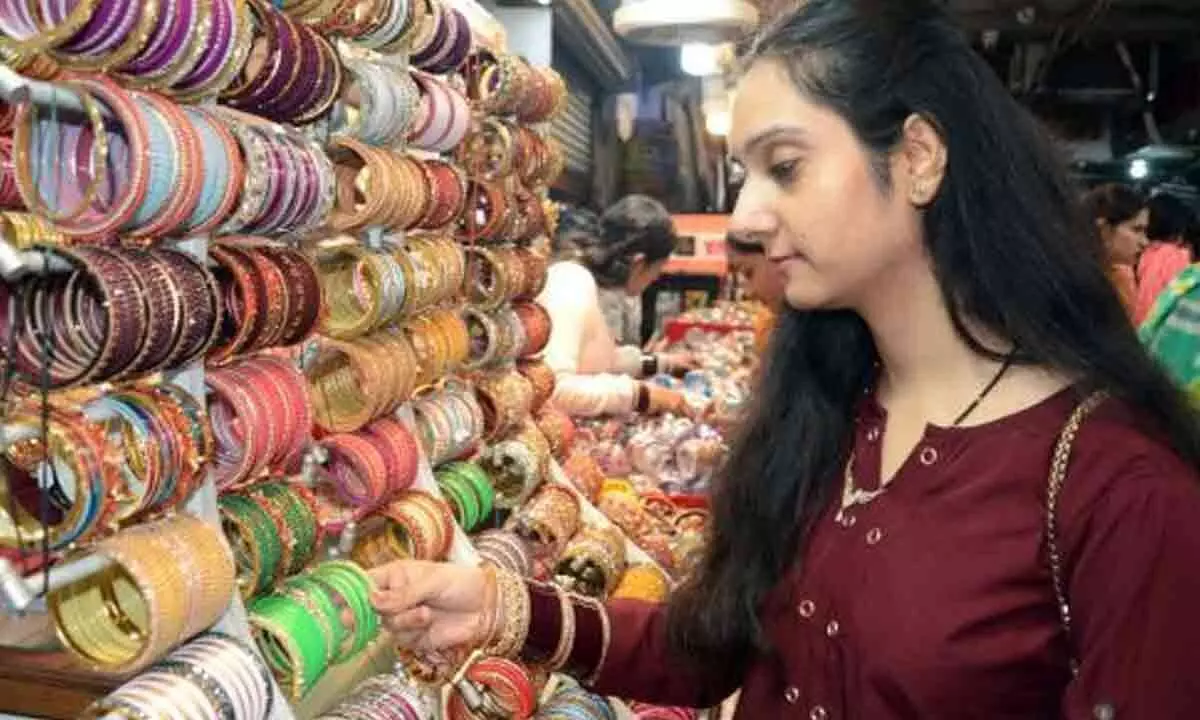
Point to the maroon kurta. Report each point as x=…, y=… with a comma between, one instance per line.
x=935, y=600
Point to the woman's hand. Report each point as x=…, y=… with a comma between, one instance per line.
x=678, y=362
x=664, y=400
x=433, y=606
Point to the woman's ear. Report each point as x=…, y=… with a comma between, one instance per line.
x=637, y=263
x=925, y=158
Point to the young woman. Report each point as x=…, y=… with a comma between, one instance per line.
x=1174, y=237
x=1121, y=217
x=881, y=536
x=593, y=294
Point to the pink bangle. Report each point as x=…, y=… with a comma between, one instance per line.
x=358, y=470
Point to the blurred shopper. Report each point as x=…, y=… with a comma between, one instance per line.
x=1174, y=236
x=1121, y=218
x=593, y=294
x=763, y=281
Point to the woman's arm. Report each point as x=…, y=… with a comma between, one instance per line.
x=1131, y=535
x=621, y=649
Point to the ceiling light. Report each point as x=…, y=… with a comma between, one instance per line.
x=678, y=22
x=699, y=59
x=1139, y=169
x=717, y=122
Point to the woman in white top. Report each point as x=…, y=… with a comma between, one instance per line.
x=593, y=294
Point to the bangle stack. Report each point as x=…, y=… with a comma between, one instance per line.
x=354, y=383
x=449, y=422
x=171, y=580
x=274, y=530
x=314, y=621
x=118, y=315
x=593, y=561
x=469, y=491
x=506, y=551
x=508, y=685
x=415, y=525
x=550, y=518
x=261, y=418
x=384, y=697
x=577, y=704
x=213, y=676
x=443, y=115
x=643, y=582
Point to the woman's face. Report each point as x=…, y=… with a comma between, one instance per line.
x=642, y=274
x=812, y=198
x=1125, y=240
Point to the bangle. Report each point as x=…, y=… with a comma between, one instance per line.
x=593, y=560
x=510, y=618
x=124, y=620
x=257, y=549
x=78, y=449
x=559, y=430
x=505, y=550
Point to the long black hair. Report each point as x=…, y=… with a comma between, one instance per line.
x=607, y=245
x=1012, y=251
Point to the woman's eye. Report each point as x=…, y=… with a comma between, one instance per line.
x=783, y=172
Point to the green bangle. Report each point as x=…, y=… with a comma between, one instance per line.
x=475, y=482
x=464, y=502
x=257, y=547
x=291, y=641
x=301, y=523
x=307, y=592
x=349, y=581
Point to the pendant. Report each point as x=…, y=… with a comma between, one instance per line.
x=853, y=497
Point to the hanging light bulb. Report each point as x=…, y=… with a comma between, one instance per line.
x=717, y=122
x=699, y=59
x=678, y=22
x=626, y=115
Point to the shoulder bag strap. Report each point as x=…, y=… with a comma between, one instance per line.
x=1058, y=476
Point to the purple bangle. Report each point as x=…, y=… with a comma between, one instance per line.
x=166, y=41
x=454, y=53
x=272, y=172
x=282, y=107
x=280, y=63
x=329, y=73
x=421, y=57
x=220, y=43
x=109, y=24
x=15, y=19
x=293, y=168
x=306, y=193
x=283, y=195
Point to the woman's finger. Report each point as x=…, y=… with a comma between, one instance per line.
x=416, y=619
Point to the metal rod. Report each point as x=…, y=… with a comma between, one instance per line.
x=15, y=264
x=16, y=88
x=19, y=593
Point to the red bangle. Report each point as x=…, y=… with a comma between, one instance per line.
x=358, y=470
x=399, y=450
x=535, y=321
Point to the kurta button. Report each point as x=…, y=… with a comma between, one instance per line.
x=928, y=456
x=873, y=434
x=1104, y=711
x=874, y=535
x=846, y=520
x=833, y=628
x=806, y=608
x=818, y=713
x=792, y=695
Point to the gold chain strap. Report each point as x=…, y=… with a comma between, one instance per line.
x=1058, y=475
